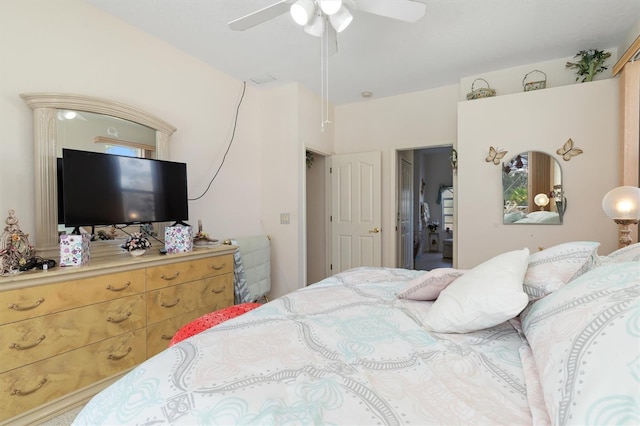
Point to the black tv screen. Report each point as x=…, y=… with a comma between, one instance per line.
x=106, y=189
x=60, y=192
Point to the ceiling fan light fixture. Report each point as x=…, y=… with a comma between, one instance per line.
x=317, y=26
x=330, y=7
x=302, y=11
x=341, y=19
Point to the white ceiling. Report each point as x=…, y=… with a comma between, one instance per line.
x=455, y=39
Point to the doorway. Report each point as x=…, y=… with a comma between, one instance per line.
x=316, y=216
x=430, y=216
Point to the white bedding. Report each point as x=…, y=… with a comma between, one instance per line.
x=350, y=351
x=343, y=351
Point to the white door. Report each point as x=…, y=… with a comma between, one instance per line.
x=405, y=214
x=356, y=211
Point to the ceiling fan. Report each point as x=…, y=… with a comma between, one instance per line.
x=331, y=16
x=326, y=18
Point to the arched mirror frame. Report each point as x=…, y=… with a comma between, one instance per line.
x=45, y=109
x=549, y=187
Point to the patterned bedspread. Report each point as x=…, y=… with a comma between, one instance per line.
x=343, y=351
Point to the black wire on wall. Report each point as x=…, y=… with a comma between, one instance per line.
x=233, y=134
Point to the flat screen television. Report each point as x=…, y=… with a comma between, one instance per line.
x=106, y=189
x=60, y=192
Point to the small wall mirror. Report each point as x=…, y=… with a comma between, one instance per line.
x=532, y=190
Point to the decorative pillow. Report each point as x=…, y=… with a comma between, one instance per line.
x=541, y=217
x=552, y=268
x=484, y=296
x=625, y=254
x=512, y=217
x=428, y=286
x=584, y=338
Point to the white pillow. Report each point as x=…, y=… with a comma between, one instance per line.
x=584, y=338
x=483, y=297
x=429, y=285
x=512, y=217
x=626, y=254
x=554, y=267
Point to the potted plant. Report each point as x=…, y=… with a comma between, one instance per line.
x=591, y=63
x=137, y=244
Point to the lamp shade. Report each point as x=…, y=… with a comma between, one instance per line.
x=341, y=19
x=302, y=11
x=330, y=7
x=541, y=200
x=316, y=26
x=622, y=203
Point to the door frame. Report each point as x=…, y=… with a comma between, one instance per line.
x=395, y=195
x=400, y=159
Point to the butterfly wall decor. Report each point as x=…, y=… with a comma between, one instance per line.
x=567, y=151
x=495, y=155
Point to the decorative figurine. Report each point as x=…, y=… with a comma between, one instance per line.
x=15, y=250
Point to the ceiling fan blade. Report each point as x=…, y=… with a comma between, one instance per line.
x=408, y=11
x=260, y=16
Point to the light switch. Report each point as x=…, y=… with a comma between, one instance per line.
x=284, y=218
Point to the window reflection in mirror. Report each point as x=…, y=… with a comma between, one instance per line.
x=88, y=131
x=532, y=190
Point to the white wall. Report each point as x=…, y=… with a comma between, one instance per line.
x=416, y=120
x=70, y=47
x=541, y=120
x=290, y=120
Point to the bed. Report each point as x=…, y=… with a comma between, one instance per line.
x=544, y=217
x=550, y=337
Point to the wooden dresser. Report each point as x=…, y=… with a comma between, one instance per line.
x=67, y=333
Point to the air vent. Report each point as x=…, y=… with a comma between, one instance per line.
x=263, y=79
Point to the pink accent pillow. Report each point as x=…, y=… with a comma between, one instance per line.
x=211, y=319
x=429, y=285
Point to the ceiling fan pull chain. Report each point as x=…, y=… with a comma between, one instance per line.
x=323, y=55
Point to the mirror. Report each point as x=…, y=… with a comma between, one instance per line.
x=48, y=144
x=532, y=190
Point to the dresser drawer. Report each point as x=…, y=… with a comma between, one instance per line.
x=178, y=299
x=38, y=338
x=29, y=386
x=182, y=272
x=160, y=333
x=20, y=304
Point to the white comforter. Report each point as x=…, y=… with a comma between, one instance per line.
x=343, y=351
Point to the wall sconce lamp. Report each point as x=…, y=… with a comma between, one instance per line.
x=541, y=200
x=622, y=204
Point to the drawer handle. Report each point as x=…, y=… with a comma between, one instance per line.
x=22, y=348
x=118, y=357
x=170, y=278
x=18, y=392
x=170, y=305
x=218, y=291
x=165, y=337
x=124, y=287
x=119, y=320
x=217, y=268
x=17, y=307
